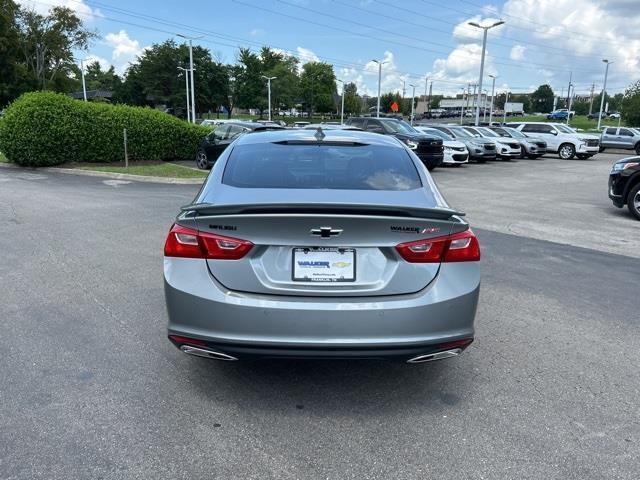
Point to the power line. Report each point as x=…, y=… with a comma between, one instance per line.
x=337, y=62
x=431, y=29
x=617, y=43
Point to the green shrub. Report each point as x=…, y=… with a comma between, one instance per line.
x=43, y=128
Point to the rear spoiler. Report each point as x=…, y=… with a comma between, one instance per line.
x=439, y=213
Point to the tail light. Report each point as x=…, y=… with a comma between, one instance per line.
x=459, y=247
x=189, y=243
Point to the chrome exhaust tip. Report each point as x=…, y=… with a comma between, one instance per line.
x=202, y=352
x=429, y=357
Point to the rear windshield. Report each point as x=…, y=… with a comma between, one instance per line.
x=364, y=167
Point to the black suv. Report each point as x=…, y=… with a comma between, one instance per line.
x=427, y=147
x=624, y=184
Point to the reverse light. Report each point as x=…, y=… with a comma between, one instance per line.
x=190, y=243
x=459, y=247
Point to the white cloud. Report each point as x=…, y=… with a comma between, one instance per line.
x=257, y=32
x=84, y=11
x=583, y=32
x=465, y=33
x=125, y=49
x=517, y=53
x=463, y=64
x=104, y=63
x=305, y=55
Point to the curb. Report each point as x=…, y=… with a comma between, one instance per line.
x=118, y=176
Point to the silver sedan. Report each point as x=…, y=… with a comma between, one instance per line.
x=321, y=244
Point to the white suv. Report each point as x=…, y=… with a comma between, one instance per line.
x=563, y=140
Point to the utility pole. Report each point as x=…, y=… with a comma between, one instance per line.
x=571, y=95
x=604, y=90
x=403, y=89
x=569, y=89
x=413, y=98
x=593, y=87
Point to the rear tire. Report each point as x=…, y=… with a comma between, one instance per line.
x=633, y=201
x=566, y=151
x=638, y=148
x=202, y=161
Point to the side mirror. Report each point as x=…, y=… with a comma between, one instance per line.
x=554, y=132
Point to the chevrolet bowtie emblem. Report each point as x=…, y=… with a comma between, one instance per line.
x=326, y=232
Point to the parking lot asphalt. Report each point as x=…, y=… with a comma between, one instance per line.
x=562, y=201
x=91, y=388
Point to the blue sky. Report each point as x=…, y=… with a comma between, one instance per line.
x=542, y=41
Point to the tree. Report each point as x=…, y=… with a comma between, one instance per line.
x=542, y=99
x=48, y=42
x=631, y=105
x=9, y=52
x=317, y=86
x=352, y=102
x=249, y=84
x=387, y=99
x=97, y=79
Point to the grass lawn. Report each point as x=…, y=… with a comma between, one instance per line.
x=155, y=170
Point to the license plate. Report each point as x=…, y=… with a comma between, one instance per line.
x=324, y=264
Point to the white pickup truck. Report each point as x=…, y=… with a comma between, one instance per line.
x=564, y=141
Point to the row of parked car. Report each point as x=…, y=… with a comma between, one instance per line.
x=439, y=144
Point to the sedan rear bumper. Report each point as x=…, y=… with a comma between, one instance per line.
x=254, y=325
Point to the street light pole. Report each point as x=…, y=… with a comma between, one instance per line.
x=604, y=90
x=484, y=48
x=506, y=100
x=493, y=90
x=484, y=106
x=186, y=82
x=413, y=97
x=268, y=79
x=462, y=104
x=193, y=94
x=379, y=62
x=193, y=97
x=342, y=102
x=84, y=85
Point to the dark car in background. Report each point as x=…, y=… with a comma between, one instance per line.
x=624, y=184
x=428, y=148
x=215, y=143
